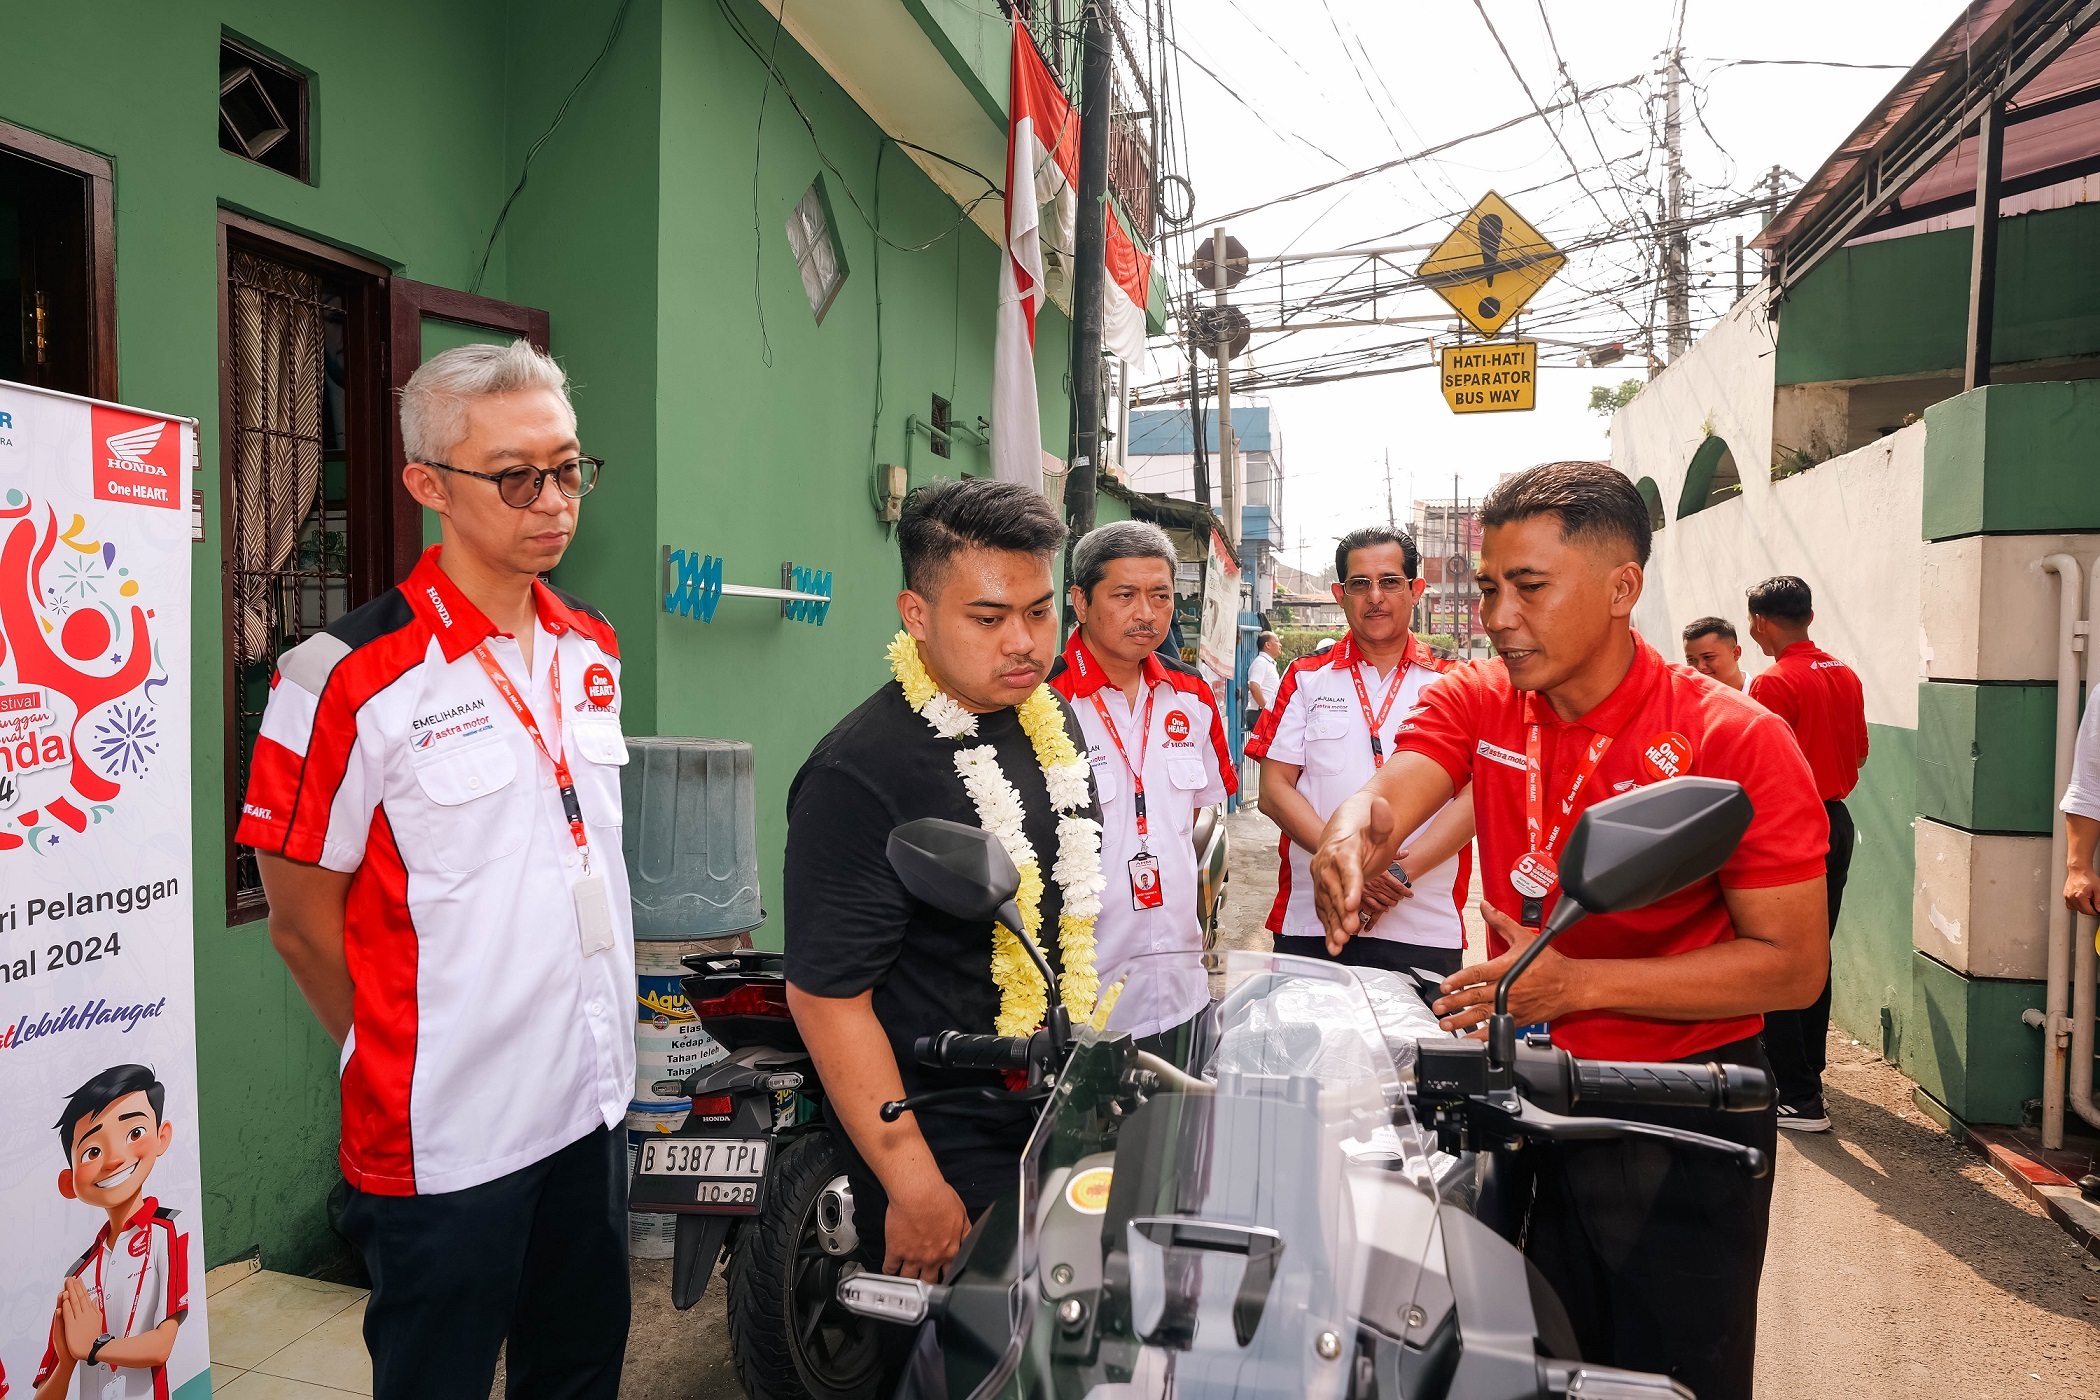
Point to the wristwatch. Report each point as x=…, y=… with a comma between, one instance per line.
x=96, y=1350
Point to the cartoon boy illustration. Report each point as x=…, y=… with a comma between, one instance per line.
x=119, y=1308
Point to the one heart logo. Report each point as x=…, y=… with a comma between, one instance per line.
x=1177, y=725
x=599, y=687
x=1667, y=755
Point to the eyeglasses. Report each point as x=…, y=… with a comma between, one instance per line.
x=1357, y=585
x=521, y=486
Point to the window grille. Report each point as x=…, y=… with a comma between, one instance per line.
x=288, y=494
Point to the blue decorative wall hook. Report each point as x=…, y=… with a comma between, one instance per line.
x=693, y=587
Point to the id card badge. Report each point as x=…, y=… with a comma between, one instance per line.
x=593, y=914
x=1145, y=892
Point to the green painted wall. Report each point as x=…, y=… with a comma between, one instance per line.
x=1987, y=755
x=389, y=74
x=2013, y=459
x=769, y=427
x=1968, y=1047
x=1871, y=952
x=1901, y=307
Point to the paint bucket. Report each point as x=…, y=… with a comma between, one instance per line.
x=650, y=1234
x=690, y=837
x=668, y=1041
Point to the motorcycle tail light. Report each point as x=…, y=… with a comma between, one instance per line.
x=751, y=999
x=719, y=1106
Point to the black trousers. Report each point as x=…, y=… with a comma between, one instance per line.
x=1656, y=1250
x=536, y=1259
x=1798, y=1041
x=1388, y=953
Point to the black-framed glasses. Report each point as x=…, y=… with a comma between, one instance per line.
x=521, y=486
x=1357, y=585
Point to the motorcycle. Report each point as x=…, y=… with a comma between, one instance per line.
x=754, y=1174
x=1280, y=1213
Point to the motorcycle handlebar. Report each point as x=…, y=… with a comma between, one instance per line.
x=955, y=1050
x=1726, y=1088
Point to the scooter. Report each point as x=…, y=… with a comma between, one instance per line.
x=754, y=1174
x=1273, y=1216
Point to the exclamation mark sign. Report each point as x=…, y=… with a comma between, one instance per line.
x=1489, y=235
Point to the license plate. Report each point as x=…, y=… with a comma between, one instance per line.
x=734, y=1157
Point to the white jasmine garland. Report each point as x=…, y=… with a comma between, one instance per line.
x=1068, y=785
x=999, y=808
x=1078, y=868
x=949, y=720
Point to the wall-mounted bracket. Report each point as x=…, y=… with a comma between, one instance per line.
x=693, y=587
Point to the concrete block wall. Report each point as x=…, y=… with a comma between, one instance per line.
x=2007, y=482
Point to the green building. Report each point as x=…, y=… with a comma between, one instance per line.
x=761, y=245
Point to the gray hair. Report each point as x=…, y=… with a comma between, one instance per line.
x=1123, y=539
x=434, y=403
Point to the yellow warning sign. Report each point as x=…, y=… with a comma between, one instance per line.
x=1491, y=264
x=1498, y=377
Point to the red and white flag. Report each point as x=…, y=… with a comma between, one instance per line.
x=1042, y=177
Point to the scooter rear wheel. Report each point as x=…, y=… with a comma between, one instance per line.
x=788, y=1336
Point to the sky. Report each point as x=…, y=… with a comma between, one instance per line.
x=1324, y=87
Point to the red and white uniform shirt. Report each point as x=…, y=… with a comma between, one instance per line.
x=1317, y=722
x=1186, y=765
x=1663, y=721
x=140, y=1279
x=483, y=1036
x=1820, y=697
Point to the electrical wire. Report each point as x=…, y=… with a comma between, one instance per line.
x=612, y=34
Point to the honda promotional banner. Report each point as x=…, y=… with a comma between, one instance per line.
x=100, y=1200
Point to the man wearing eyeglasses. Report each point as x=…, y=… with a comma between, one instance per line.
x=435, y=808
x=1328, y=729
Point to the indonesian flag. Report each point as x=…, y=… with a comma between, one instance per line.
x=1042, y=177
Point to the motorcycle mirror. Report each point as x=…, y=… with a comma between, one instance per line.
x=1626, y=852
x=1631, y=850
x=964, y=871
x=959, y=870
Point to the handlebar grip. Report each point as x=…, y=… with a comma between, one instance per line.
x=955, y=1050
x=1729, y=1088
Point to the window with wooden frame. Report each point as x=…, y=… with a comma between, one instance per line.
x=58, y=282
x=308, y=501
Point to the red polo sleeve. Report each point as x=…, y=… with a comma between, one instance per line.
x=1446, y=723
x=1789, y=831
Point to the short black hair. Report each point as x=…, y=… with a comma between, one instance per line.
x=943, y=518
x=1593, y=502
x=1370, y=535
x=102, y=1091
x=1716, y=626
x=1782, y=596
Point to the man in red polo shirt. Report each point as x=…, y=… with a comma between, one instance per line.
x=1655, y=1251
x=1820, y=698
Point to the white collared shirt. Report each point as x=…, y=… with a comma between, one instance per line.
x=1185, y=769
x=1317, y=723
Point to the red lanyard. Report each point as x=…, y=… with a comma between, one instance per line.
x=570, y=807
x=1136, y=770
x=1535, y=785
x=138, y=1292
x=1363, y=698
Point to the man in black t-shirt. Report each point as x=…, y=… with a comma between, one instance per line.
x=869, y=968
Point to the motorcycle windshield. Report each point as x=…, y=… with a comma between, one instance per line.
x=1228, y=1194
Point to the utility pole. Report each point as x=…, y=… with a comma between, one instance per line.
x=1228, y=449
x=1676, y=243
x=1739, y=267
x=1196, y=414
x=1772, y=194
x=1089, y=253
x=1390, y=522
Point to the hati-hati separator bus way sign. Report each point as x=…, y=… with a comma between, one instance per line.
x=1497, y=376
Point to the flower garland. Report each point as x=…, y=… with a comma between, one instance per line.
x=1023, y=998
